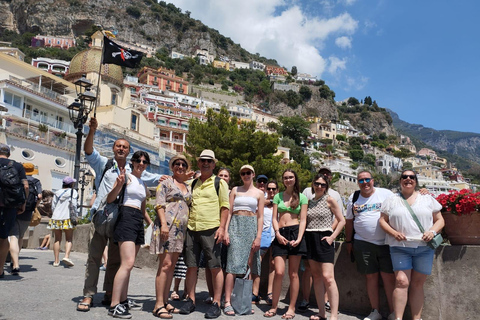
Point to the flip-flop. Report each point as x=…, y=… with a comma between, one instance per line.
x=270, y=314
x=174, y=296
x=228, y=311
x=172, y=309
x=162, y=315
x=317, y=317
x=288, y=316
x=86, y=304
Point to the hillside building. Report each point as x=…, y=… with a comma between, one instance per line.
x=163, y=78
x=54, y=66
x=53, y=42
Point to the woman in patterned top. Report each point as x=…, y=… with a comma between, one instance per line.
x=319, y=237
x=172, y=204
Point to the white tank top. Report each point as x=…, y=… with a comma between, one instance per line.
x=135, y=192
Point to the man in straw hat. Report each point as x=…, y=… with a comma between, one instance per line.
x=205, y=231
x=23, y=220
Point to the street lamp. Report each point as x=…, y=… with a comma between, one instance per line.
x=78, y=112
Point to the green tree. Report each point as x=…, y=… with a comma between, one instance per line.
x=353, y=101
x=295, y=128
x=356, y=154
x=305, y=92
x=234, y=144
x=368, y=100
x=407, y=165
x=369, y=159
x=294, y=71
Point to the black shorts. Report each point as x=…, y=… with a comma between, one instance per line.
x=7, y=220
x=289, y=233
x=198, y=241
x=317, y=249
x=129, y=226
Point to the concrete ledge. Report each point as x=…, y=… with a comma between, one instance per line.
x=451, y=292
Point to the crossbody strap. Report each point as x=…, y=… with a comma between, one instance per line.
x=414, y=216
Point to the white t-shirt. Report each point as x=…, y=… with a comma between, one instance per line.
x=332, y=193
x=366, y=212
x=401, y=219
x=267, y=221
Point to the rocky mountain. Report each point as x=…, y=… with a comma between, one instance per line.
x=462, y=144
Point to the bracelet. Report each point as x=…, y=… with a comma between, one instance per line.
x=434, y=232
x=276, y=231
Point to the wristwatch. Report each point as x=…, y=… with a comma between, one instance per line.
x=434, y=232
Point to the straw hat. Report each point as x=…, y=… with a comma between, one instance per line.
x=178, y=157
x=207, y=154
x=30, y=169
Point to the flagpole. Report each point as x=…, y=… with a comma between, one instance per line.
x=99, y=77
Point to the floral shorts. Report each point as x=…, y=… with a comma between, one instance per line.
x=60, y=224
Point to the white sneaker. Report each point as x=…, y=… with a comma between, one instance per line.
x=374, y=315
x=391, y=316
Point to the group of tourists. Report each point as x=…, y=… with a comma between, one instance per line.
x=200, y=222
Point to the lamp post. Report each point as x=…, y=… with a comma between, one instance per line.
x=78, y=112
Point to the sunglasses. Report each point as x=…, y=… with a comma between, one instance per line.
x=366, y=180
x=319, y=184
x=271, y=189
x=245, y=173
x=206, y=160
x=141, y=161
x=288, y=177
x=180, y=164
x=409, y=176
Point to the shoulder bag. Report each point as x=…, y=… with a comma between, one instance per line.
x=242, y=295
x=73, y=211
x=437, y=240
x=106, y=215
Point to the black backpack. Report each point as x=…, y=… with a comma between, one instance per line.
x=32, y=197
x=13, y=190
x=216, y=183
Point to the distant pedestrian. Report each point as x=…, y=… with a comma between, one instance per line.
x=64, y=200
x=22, y=221
x=9, y=214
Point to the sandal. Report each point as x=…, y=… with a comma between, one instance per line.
x=84, y=306
x=268, y=299
x=228, y=310
x=162, y=314
x=174, y=296
x=317, y=317
x=172, y=309
x=270, y=313
x=288, y=316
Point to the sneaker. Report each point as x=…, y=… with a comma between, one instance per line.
x=188, y=307
x=15, y=271
x=56, y=264
x=119, y=311
x=131, y=305
x=327, y=306
x=2, y=275
x=255, y=299
x=374, y=315
x=391, y=316
x=68, y=262
x=102, y=268
x=303, y=306
x=209, y=300
x=213, y=312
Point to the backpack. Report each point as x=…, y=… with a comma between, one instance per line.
x=216, y=183
x=32, y=195
x=13, y=190
x=108, y=165
x=356, y=194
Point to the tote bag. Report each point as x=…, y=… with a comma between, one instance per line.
x=242, y=295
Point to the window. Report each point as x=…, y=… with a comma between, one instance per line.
x=114, y=98
x=60, y=162
x=28, y=154
x=134, y=122
x=12, y=99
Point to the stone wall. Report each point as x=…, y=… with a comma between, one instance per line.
x=451, y=292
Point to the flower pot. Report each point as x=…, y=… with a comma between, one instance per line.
x=464, y=229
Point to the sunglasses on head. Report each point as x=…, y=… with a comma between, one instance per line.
x=319, y=184
x=206, y=160
x=141, y=161
x=180, y=164
x=409, y=176
x=245, y=173
x=271, y=189
x=366, y=180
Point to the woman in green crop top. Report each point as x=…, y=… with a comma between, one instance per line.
x=289, y=220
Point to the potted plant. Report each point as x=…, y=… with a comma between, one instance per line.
x=461, y=214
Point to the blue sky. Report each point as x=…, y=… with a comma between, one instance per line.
x=418, y=58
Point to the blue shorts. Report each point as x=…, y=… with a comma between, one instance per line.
x=419, y=259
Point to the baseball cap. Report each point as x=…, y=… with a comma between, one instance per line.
x=262, y=177
x=247, y=166
x=68, y=180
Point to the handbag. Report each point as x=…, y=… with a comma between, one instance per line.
x=73, y=211
x=242, y=295
x=36, y=218
x=437, y=239
x=106, y=215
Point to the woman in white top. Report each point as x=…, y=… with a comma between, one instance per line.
x=64, y=201
x=129, y=229
x=412, y=259
x=244, y=225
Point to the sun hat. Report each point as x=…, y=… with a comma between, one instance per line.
x=178, y=157
x=30, y=169
x=207, y=154
x=247, y=166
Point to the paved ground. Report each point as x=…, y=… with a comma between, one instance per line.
x=44, y=292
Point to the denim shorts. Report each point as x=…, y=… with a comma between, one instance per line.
x=419, y=259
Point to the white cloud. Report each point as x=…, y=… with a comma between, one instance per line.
x=347, y=2
x=276, y=29
x=343, y=42
x=336, y=64
x=356, y=83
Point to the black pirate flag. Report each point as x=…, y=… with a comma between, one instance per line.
x=115, y=54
